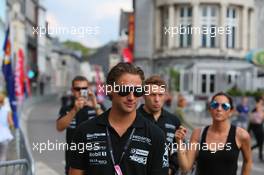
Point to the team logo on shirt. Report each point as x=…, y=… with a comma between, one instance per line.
x=170, y=137
x=169, y=126
x=141, y=139
x=138, y=155
x=165, y=160
x=98, y=154
x=95, y=136
x=91, y=112
x=73, y=124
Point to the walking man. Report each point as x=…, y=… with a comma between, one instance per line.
x=84, y=108
x=121, y=142
x=153, y=110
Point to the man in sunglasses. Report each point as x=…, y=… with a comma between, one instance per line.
x=84, y=107
x=120, y=141
x=155, y=96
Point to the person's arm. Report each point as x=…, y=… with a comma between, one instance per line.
x=187, y=157
x=160, y=157
x=64, y=121
x=245, y=146
x=95, y=105
x=76, y=171
x=78, y=158
x=10, y=120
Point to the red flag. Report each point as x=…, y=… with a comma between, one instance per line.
x=99, y=93
x=127, y=55
x=20, y=76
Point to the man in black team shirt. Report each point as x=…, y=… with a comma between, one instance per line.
x=84, y=107
x=120, y=142
x=155, y=95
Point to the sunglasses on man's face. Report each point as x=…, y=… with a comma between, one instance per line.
x=80, y=88
x=126, y=90
x=215, y=105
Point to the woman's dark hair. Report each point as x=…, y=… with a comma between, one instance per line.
x=226, y=95
x=258, y=99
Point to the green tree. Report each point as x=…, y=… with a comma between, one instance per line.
x=78, y=46
x=174, y=79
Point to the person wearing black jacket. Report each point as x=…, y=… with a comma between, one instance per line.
x=155, y=95
x=120, y=141
x=83, y=107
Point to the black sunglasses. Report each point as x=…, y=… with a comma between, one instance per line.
x=125, y=91
x=80, y=88
x=215, y=105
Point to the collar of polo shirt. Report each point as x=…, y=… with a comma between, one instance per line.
x=163, y=112
x=103, y=120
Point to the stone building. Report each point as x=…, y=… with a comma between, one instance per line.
x=204, y=40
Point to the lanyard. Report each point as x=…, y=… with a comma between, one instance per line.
x=111, y=147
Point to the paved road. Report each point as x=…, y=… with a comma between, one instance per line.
x=41, y=129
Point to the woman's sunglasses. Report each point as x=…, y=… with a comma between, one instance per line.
x=125, y=91
x=215, y=105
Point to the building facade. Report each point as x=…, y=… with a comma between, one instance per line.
x=259, y=8
x=64, y=65
x=204, y=40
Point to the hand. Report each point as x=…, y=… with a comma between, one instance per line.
x=79, y=103
x=93, y=99
x=180, y=134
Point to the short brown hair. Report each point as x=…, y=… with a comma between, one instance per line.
x=122, y=68
x=79, y=78
x=156, y=80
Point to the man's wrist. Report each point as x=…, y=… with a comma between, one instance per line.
x=75, y=109
x=97, y=107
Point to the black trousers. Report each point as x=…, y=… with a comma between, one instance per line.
x=258, y=132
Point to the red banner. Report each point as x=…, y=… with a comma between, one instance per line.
x=20, y=76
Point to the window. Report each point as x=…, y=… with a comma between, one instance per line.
x=209, y=23
x=213, y=11
x=185, y=26
x=212, y=83
x=204, y=38
x=229, y=79
x=164, y=11
x=213, y=38
x=189, y=12
x=182, y=12
x=203, y=83
x=204, y=9
x=232, y=23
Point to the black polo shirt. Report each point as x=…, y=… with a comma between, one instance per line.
x=169, y=123
x=145, y=155
x=86, y=113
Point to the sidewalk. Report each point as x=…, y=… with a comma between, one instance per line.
x=12, y=150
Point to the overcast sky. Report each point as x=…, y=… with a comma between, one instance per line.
x=101, y=16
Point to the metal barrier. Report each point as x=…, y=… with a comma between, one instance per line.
x=25, y=152
x=15, y=167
